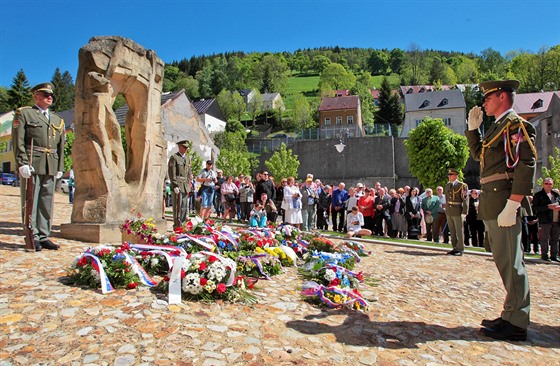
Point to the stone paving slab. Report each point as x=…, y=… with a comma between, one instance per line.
x=425, y=310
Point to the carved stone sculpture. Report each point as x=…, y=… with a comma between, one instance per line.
x=112, y=183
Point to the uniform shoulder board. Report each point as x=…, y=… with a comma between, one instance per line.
x=23, y=108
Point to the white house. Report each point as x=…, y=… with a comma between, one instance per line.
x=449, y=105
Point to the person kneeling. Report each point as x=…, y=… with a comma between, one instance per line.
x=258, y=216
x=354, y=223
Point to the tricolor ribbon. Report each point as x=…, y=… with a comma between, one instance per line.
x=140, y=271
x=106, y=286
x=255, y=259
x=344, y=270
x=229, y=263
x=197, y=241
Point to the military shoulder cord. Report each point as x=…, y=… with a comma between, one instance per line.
x=507, y=149
x=58, y=128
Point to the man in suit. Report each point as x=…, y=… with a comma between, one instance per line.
x=38, y=127
x=507, y=158
x=456, y=208
x=179, y=172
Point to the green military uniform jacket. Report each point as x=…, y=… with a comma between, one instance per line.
x=456, y=203
x=179, y=170
x=489, y=150
x=48, y=140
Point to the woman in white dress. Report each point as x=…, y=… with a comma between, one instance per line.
x=292, y=202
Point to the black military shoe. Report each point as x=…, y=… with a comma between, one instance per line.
x=491, y=323
x=47, y=244
x=554, y=259
x=38, y=246
x=506, y=331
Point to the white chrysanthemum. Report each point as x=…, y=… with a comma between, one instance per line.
x=154, y=261
x=99, y=248
x=191, y=283
x=330, y=275
x=216, y=271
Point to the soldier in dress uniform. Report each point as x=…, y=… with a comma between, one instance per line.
x=456, y=208
x=38, y=127
x=179, y=172
x=507, y=158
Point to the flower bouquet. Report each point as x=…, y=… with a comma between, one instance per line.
x=107, y=267
x=333, y=275
x=322, y=244
x=316, y=260
x=356, y=247
x=209, y=277
x=334, y=296
x=153, y=263
x=140, y=230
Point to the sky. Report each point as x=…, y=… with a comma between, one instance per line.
x=39, y=36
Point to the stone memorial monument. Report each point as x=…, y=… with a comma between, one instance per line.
x=112, y=183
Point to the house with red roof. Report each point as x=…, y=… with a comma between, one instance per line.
x=340, y=117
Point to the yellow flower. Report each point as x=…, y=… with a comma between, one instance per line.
x=337, y=298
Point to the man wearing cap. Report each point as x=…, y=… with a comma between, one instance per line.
x=507, y=158
x=456, y=208
x=179, y=172
x=38, y=127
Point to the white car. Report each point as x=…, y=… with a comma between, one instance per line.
x=64, y=185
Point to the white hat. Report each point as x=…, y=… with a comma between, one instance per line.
x=360, y=185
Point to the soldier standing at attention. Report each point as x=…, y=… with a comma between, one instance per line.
x=45, y=131
x=456, y=208
x=507, y=158
x=179, y=172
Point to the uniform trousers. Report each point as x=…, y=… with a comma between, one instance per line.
x=507, y=251
x=43, y=201
x=180, y=211
x=455, y=224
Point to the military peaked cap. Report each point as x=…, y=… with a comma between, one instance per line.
x=452, y=171
x=185, y=143
x=44, y=87
x=488, y=87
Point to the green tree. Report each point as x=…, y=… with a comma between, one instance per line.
x=272, y=72
x=4, y=107
x=68, y=150
x=390, y=110
x=367, y=105
x=255, y=106
x=204, y=78
x=335, y=76
x=320, y=63
x=19, y=95
x=301, y=113
x=554, y=171
x=465, y=70
x=234, y=158
x=231, y=104
x=63, y=91
x=432, y=149
x=190, y=85
x=492, y=65
x=396, y=60
x=283, y=163
x=378, y=62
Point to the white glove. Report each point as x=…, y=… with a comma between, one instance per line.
x=508, y=216
x=475, y=118
x=176, y=190
x=25, y=171
x=463, y=217
x=58, y=175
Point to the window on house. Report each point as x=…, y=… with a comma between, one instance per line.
x=443, y=102
x=327, y=121
x=425, y=104
x=418, y=121
x=338, y=120
x=350, y=120
x=447, y=121
x=537, y=104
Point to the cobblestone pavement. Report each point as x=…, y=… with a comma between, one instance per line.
x=425, y=310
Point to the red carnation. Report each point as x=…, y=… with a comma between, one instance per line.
x=127, y=269
x=189, y=226
x=360, y=276
x=173, y=239
x=221, y=288
x=179, y=230
x=166, y=278
x=203, y=281
x=183, y=273
x=132, y=285
x=202, y=266
x=212, y=259
x=335, y=282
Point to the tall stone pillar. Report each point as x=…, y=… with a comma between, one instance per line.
x=112, y=183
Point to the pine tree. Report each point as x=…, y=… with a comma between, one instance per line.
x=63, y=91
x=383, y=114
x=20, y=93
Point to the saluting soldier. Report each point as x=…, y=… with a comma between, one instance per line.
x=44, y=130
x=179, y=171
x=507, y=158
x=456, y=208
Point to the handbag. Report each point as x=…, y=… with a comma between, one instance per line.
x=231, y=197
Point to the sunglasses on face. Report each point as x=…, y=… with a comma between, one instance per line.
x=46, y=94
